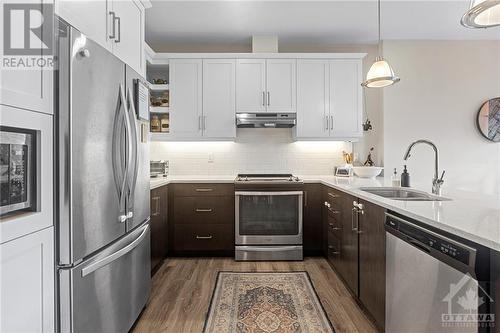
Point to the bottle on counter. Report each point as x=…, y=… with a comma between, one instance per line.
x=396, y=181
x=405, y=178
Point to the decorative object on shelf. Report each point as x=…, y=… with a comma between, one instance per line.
x=159, y=81
x=488, y=119
x=160, y=98
x=369, y=161
x=482, y=14
x=367, y=171
x=265, y=302
x=381, y=73
x=155, y=124
x=164, y=122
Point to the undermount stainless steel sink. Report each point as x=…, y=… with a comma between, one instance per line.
x=403, y=194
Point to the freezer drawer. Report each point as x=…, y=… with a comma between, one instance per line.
x=107, y=292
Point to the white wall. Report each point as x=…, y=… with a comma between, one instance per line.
x=255, y=150
x=443, y=84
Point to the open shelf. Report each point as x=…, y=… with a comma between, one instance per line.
x=159, y=109
x=158, y=87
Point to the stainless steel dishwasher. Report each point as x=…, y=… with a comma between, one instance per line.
x=431, y=281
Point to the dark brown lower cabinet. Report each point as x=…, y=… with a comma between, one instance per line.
x=159, y=226
x=372, y=260
x=202, y=219
x=312, y=226
x=355, y=239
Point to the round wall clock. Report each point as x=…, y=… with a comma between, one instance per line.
x=488, y=119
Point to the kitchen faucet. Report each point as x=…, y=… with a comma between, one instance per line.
x=436, y=182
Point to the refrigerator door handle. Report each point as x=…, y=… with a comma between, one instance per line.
x=134, y=142
x=120, y=177
x=114, y=256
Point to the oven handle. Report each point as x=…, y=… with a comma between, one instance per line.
x=250, y=193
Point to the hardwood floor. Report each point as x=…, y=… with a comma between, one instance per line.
x=182, y=289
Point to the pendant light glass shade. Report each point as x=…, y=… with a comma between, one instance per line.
x=380, y=75
x=482, y=14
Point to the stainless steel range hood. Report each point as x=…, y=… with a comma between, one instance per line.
x=265, y=120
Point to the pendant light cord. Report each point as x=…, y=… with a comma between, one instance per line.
x=379, y=44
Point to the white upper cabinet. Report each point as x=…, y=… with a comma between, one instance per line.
x=117, y=25
x=281, y=83
x=313, y=99
x=186, y=98
x=219, y=77
x=251, y=85
x=266, y=85
x=329, y=99
x=346, y=103
x=129, y=30
x=93, y=18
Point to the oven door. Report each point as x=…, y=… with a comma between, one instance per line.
x=268, y=218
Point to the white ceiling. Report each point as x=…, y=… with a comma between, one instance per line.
x=338, y=22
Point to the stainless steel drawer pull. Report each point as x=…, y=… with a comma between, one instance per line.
x=333, y=195
x=204, y=237
x=334, y=211
x=204, y=210
x=204, y=189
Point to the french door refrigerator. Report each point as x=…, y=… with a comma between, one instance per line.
x=102, y=191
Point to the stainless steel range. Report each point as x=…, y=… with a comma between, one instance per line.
x=268, y=217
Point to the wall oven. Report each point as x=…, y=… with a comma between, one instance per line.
x=17, y=170
x=268, y=220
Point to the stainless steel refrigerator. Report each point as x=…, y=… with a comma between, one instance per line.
x=102, y=199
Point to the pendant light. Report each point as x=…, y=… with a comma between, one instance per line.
x=482, y=14
x=380, y=74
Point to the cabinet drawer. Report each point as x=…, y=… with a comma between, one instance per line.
x=189, y=190
x=204, y=237
x=333, y=197
x=334, y=246
x=208, y=210
x=334, y=226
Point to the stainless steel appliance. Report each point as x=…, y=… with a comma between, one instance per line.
x=158, y=168
x=268, y=217
x=432, y=280
x=103, y=244
x=18, y=160
x=265, y=120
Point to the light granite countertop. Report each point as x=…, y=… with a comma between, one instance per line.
x=473, y=216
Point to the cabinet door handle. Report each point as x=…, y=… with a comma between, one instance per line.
x=204, y=123
x=157, y=206
x=353, y=214
x=113, y=31
x=199, y=123
x=263, y=98
x=268, y=98
x=204, y=210
x=326, y=123
x=331, y=122
x=334, y=211
x=204, y=237
x=204, y=189
x=117, y=19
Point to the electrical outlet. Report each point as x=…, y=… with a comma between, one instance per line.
x=210, y=158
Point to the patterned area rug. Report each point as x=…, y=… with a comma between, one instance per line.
x=265, y=303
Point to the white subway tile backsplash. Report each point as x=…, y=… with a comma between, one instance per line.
x=254, y=151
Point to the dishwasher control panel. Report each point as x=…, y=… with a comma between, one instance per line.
x=427, y=240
